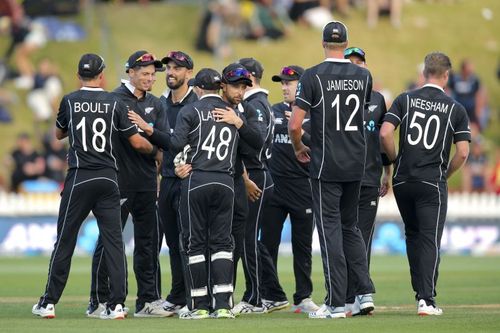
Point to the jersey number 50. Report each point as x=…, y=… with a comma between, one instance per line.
x=423, y=133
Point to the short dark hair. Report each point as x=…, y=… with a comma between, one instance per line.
x=436, y=64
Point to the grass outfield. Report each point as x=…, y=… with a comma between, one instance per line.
x=469, y=293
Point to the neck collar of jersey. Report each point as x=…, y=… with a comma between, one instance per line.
x=254, y=91
x=91, y=89
x=433, y=86
x=347, y=61
x=169, y=91
x=210, y=95
x=131, y=88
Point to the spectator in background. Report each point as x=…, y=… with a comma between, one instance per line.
x=315, y=13
x=495, y=175
x=392, y=8
x=220, y=21
x=465, y=88
x=44, y=98
x=55, y=155
x=26, y=162
x=26, y=38
x=475, y=170
x=265, y=20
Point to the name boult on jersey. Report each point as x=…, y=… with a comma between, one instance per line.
x=344, y=85
x=93, y=107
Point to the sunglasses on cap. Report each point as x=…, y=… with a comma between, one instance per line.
x=238, y=73
x=354, y=50
x=145, y=58
x=289, y=71
x=177, y=56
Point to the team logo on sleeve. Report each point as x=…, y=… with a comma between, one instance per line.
x=260, y=117
x=299, y=88
x=371, y=108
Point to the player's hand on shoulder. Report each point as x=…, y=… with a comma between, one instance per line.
x=137, y=120
x=183, y=170
x=227, y=115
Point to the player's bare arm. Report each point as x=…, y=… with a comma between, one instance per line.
x=387, y=140
x=295, y=132
x=386, y=178
x=140, y=144
x=60, y=134
x=461, y=154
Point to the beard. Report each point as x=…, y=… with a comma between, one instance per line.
x=175, y=85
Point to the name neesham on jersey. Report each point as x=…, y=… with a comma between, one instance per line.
x=344, y=85
x=426, y=105
x=92, y=107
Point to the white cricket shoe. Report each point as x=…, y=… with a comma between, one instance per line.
x=153, y=310
x=328, y=312
x=48, y=312
x=271, y=306
x=116, y=313
x=428, y=310
x=247, y=308
x=95, y=310
x=306, y=305
x=195, y=314
x=171, y=307
x=366, y=305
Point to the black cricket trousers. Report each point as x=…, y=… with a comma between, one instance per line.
x=88, y=191
x=335, y=207
x=292, y=196
x=206, y=215
x=423, y=207
x=142, y=206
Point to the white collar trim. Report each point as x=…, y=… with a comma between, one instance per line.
x=91, y=89
x=167, y=92
x=210, y=95
x=254, y=91
x=338, y=60
x=433, y=86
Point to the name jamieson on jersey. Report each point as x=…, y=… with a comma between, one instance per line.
x=344, y=85
x=428, y=105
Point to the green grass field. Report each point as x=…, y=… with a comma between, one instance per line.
x=469, y=293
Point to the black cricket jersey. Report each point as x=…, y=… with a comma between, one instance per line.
x=167, y=166
x=213, y=144
x=284, y=163
x=374, y=117
x=257, y=111
x=93, y=119
x=137, y=170
x=430, y=121
x=336, y=92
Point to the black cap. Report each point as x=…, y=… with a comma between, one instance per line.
x=180, y=58
x=289, y=73
x=207, y=79
x=354, y=51
x=143, y=58
x=90, y=65
x=335, y=32
x=253, y=66
x=236, y=73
